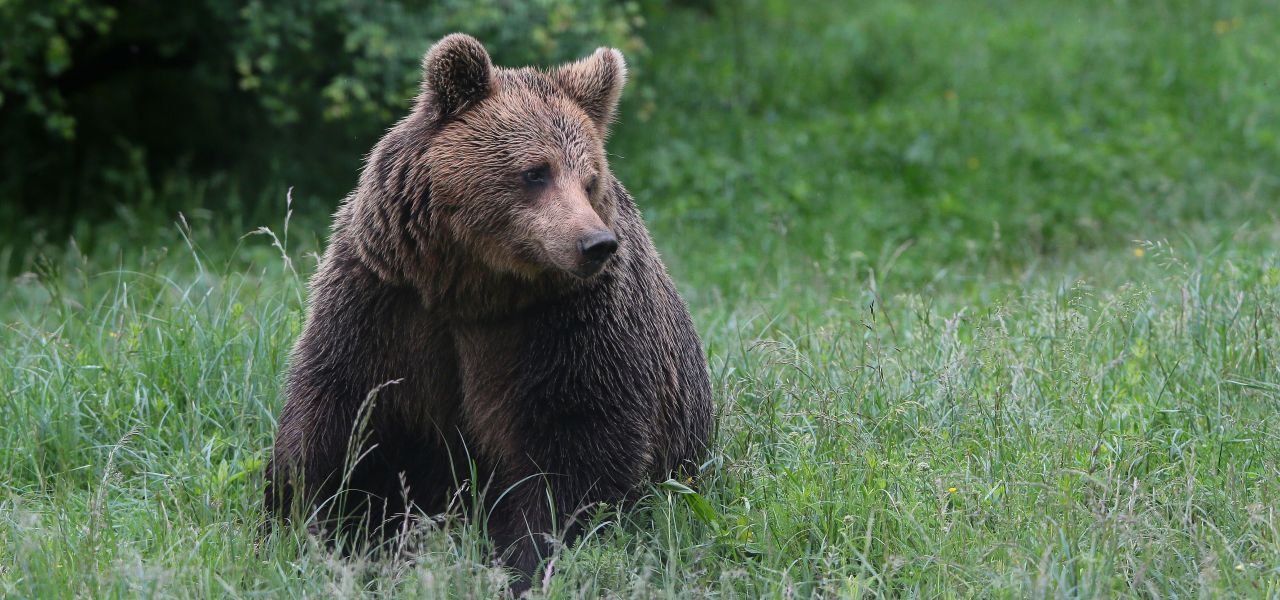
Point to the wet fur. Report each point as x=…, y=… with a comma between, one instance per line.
x=440, y=276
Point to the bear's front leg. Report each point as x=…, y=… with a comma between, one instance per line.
x=564, y=417
x=551, y=468
x=532, y=512
x=522, y=535
x=372, y=389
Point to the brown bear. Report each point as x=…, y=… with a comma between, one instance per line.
x=490, y=309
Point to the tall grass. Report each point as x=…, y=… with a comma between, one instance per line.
x=1107, y=426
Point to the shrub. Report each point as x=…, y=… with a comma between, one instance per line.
x=233, y=85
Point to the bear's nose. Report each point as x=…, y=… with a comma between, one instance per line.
x=597, y=247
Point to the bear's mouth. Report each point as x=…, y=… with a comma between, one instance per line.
x=590, y=268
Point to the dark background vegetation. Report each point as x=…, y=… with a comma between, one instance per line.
x=113, y=104
x=839, y=126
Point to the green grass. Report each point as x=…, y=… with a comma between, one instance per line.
x=943, y=365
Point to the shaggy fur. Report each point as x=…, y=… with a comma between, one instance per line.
x=457, y=315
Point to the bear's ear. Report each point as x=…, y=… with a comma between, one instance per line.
x=595, y=83
x=456, y=74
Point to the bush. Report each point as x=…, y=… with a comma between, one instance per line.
x=234, y=85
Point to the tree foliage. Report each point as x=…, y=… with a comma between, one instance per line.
x=36, y=38
x=92, y=94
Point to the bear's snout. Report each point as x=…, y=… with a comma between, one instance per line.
x=596, y=248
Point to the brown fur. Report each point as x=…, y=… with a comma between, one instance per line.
x=462, y=294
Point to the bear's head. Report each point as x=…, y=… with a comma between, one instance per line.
x=516, y=162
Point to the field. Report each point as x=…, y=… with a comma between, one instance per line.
x=990, y=294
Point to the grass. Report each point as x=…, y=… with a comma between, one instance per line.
x=943, y=364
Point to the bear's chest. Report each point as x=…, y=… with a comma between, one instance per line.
x=559, y=375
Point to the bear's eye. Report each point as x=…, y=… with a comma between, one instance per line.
x=591, y=185
x=537, y=175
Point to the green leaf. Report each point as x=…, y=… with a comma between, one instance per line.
x=699, y=505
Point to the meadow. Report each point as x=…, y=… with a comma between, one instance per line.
x=990, y=294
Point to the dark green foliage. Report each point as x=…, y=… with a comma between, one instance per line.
x=36, y=40
x=292, y=90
